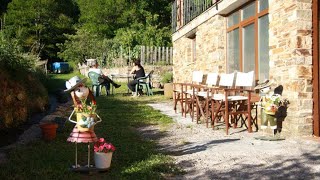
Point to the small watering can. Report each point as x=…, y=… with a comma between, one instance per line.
x=85, y=121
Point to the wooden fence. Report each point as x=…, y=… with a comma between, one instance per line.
x=149, y=55
x=156, y=55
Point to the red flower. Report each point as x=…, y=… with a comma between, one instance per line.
x=102, y=146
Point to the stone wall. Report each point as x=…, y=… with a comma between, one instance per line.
x=210, y=50
x=290, y=43
x=291, y=60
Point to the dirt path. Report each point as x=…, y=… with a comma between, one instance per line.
x=210, y=154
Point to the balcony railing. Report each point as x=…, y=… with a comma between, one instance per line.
x=184, y=11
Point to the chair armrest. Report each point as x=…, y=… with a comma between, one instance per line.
x=238, y=89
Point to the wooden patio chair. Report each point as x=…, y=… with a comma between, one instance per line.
x=237, y=101
x=189, y=91
x=182, y=93
x=203, y=95
x=178, y=96
x=255, y=98
x=217, y=97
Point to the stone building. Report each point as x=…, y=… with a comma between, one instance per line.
x=278, y=39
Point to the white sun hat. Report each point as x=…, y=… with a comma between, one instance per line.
x=73, y=83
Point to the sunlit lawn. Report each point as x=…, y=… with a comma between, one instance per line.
x=135, y=158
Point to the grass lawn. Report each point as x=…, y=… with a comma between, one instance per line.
x=134, y=157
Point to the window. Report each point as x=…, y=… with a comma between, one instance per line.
x=263, y=4
x=248, y=39
x=233, y=50
x=233, y=19
x=194, y=44
x=263, y=36
x=248, y=11
x=248, y=47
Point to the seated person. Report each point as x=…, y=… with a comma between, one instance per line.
x=138, y=72
x=105, y=80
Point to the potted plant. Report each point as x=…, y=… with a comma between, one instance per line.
x=166, y=80
x=103, y=154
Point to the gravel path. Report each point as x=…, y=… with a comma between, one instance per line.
x=210, y=154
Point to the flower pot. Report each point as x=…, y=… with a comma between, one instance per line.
x=102, y=160
x=85, y=121
x=168, y=90
x=49, y=131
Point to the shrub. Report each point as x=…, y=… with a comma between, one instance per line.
x=22, y=93
x=12, y=58
x=167, y=77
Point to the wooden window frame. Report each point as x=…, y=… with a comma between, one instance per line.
x=242, y=23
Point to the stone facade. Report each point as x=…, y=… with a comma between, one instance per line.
x=290, y=43
x=210, y=50
x=291, y=59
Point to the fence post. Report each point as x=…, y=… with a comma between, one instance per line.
x=154, y=54
x=162, y=54
x=159, y=55
x=142, y=53
x=167, y=54
x=129, y=55
x=171, y=54
x=147, y=55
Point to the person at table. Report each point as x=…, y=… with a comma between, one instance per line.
x=104, y=80
x=137, y=71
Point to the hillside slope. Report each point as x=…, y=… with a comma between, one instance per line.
x=21, y=95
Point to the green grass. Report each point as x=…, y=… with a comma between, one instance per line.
x=134, y=158
x=55, y=82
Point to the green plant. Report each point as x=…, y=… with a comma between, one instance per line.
x=102, y=146
x=167, y=77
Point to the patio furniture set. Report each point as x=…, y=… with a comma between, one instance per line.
x=144, y=83
x=224, y=98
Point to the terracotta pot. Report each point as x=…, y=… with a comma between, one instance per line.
x=49, y=131
x=102, y=160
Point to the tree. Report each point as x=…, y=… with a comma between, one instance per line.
x=101, y=17
x=40, y=24
x=3, y=6
x=119, y=24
